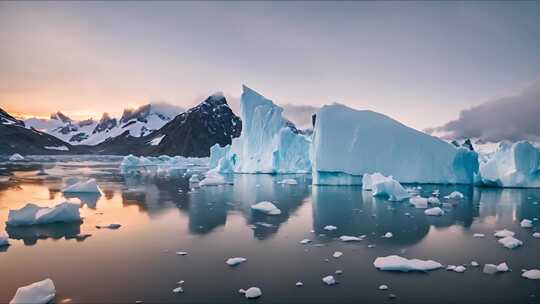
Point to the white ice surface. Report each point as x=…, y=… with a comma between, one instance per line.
x=89, y=186
x=267, y=208
x=397, y=263
x=32, y=214
x=41, y=292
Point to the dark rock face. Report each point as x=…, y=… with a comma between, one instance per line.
x=191, y=133
x=7, y=119
x=139, y=114
x=60, y=116
x=105, y=123
x=466, y=144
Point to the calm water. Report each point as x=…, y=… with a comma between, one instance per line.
x=138, y=262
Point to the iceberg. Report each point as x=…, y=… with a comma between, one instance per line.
x=397, y=263
x=511, y=165
x=235, y=261
x=533, y=274
x=329, y=280
x=348, y=143
x=252, y=292
x=267, y=208
x=41, y=292
x=32, y=214
x=89, y=186
x=389, y=187
x=16, y=157
x=269, y=143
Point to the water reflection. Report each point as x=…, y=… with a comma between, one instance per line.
x=31, y=234
x=88, y=199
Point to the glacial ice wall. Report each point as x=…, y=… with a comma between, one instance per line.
x=348, y=143
x=269, y=143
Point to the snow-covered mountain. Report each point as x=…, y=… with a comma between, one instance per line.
x=138, y=122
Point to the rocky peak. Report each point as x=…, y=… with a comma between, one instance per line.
x=60, y=116
x=105, y=123
x=139, y=114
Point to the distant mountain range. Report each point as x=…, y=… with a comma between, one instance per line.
x=153, y=129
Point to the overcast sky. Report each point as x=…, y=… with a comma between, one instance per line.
x=421, y=63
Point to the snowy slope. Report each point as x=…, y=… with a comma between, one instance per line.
x=269, y=143
x=348, y=143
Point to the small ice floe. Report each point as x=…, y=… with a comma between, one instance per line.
x=329, y=280
x=371, y=246
x=479, y=235
x=89, y=186
x=455, y=195
x=474, y=264
x=397, y=263
x=387, y=235
x=330, y=228
x=493, y=269
x=536, y=235
x=41, y=292
x=235, y=261
x=339, y=272
x=4, y=240
x=299, y=284
x=525, y=223
x=533, y=274
x=267, y=225
x=433, y=200
x=383, y=287
x=460, y=269
x=337, y=254
x=419, y=202
x=267, y=208
x=213, y=178
x=194, y=178
x=16, y=157
x=450, y=267
x=503, y=233
x=178, y=289
x=348, y=238
x=181, y=253
x=251, y=293
x=434, y=211
x=32, y=214
x=305, y=241
x=510, y=242
x=288, y=181
x=109, y=226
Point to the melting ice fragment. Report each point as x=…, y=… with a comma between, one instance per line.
x=419, y=202
x=41, y=292
x=337, y=254
x=329, y=280
x=266, y=208
x=252, y=293
x=397, y=263
x=389, y=187
x=89, y=186
x=525, y=223
x=434, y=211
x=503, y=233
x=533, y=274
x=510, y=242
x=235, y=261
x=329, y=228
x=32, y=214
x=348, y=238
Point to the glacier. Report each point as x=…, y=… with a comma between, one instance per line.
x=349, y=143
x=511, y=165
x=269, y=143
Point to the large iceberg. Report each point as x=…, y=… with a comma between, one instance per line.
x=511, y=165
x=269, y=143
x=32, y=214
x=348, y=143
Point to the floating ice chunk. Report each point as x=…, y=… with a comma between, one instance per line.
x=536, y=235
x=419, y=202
x=383, y=287
x=387, y=235
x=34, y=215
x=288, y=181
x=299, y=284
x=41, y=292
x=434, y=211
x=503, y=233
x=16, y=157
x=4, y=240
x=451, y=267
x=266, y=208
x=253, y=293
x=109, y=226
x=339, y=272
x=178, y=289
x=213, y=178
x=369, y=179
x=475, y=264
x=460, y=269
x=89, y=186
x=194, y=178
x=533, y=274
x=525, y=223
x=348, y=238
x=492, y=268
x=502, y=267
x=510, y=242
x=455, y=195
x=479, y=235
x=181, y=253
x=390, y=188
x=235, y=261
x=329, y=280
x=433, y=200
x=337, y=254
x=397, y=263
x=330, y=228
x=305, y=241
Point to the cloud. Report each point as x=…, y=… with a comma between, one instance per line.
x=509, y=118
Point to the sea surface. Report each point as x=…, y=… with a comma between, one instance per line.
x=161, y=215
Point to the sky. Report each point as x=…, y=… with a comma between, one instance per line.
x=422, y=63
